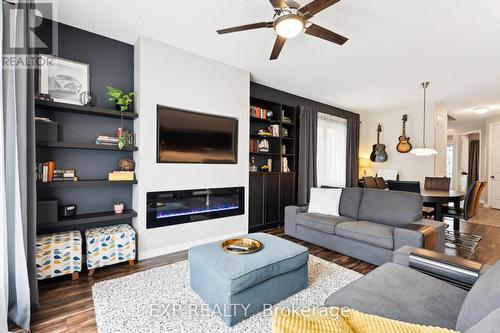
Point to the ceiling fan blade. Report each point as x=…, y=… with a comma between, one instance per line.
x=246, y=27
x=278, y=45
x=315, y=7
x=278, y=4
x=320, y=32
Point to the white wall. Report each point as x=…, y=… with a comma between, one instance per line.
x=410, y=167
x=169, y=76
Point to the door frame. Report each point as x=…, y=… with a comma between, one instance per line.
x=490, y=161
x=480, y=162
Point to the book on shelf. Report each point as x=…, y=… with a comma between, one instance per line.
x=121, y=176
x=258, y=112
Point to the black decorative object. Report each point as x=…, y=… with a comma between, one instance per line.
x=68, y=210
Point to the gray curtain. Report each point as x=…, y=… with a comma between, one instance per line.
x=352, y=173
x=18, y=160
x=308, y=130
x=473, y=161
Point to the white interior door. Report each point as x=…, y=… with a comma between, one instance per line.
x=494, y=181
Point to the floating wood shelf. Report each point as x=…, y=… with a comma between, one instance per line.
x=266, y=154
x=86, y=110
x=267, y=121
x=81, y=219
x=68, y=145
x=69, y=183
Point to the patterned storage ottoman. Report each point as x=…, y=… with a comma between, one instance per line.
x=58, y=254
x=109, y=245
x=238, y=285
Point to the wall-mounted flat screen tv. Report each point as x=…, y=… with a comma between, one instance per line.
x=192, y=137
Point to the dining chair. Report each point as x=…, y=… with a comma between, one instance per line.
x=437, y=183
x=471, y=202
x=381, y=184
x=369, y=182
x=404, y=185
x=478, y=196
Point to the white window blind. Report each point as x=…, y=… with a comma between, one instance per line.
x=331, y=158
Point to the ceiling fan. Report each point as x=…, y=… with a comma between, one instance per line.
x=289, y=20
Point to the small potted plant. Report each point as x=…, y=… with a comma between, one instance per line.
x=119, y=207
x=122, y=102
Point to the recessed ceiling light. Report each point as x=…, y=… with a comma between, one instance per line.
x=481, y=109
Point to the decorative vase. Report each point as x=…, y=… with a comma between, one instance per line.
x=118, y=208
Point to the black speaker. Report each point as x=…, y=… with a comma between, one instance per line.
x=67, y=210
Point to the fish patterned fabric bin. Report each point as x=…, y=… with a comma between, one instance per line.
x=110, y=245
x=58, y=254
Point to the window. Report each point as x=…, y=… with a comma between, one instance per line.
x=331, y=158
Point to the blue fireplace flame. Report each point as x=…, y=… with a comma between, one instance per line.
x=192, y=211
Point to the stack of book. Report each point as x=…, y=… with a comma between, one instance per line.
x=274, y=130
x=258, y=112
x=254, y=145
x=47, y=172
x=60, y=175
x=107, y=140
x=121, y=176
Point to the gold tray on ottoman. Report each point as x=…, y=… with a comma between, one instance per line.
x=241, y=245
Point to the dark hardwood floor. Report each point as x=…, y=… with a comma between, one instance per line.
x=67, y=306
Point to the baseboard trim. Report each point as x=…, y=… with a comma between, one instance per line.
x=184, y=246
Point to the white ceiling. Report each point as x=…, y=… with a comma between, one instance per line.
x=466, y=116
x=393, y=45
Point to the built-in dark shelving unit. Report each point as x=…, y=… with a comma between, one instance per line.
x=270, y=192
x=93, y=193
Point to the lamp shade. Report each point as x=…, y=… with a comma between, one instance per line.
x=365, y=163
x=423, y=151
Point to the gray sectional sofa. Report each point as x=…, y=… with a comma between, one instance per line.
x=373, y=224
x=396, y=291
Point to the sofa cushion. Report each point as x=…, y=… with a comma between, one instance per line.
x=367, y=232
x=320, y=222
x=390, y=207
x=489, y=324
x=400, y=293
x=483, y=298
x=349, y=201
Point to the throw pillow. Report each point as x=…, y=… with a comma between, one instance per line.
x=325, y=201
x=365, y=323
x=324, y=320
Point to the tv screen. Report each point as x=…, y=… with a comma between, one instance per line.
x=192, y=137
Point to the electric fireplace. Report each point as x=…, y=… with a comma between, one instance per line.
x=176, y=207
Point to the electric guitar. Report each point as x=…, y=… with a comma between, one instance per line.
x=378, y=150
x=404, y=145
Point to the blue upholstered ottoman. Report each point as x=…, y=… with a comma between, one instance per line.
x=237, y=286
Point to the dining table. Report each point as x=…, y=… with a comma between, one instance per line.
x=440, y=198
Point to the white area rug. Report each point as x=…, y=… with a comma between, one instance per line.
x=161, y=300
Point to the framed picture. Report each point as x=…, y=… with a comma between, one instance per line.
x=64, y=80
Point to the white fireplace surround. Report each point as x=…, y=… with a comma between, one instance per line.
x=169, y=76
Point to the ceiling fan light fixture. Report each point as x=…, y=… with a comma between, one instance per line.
x=289, y=25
